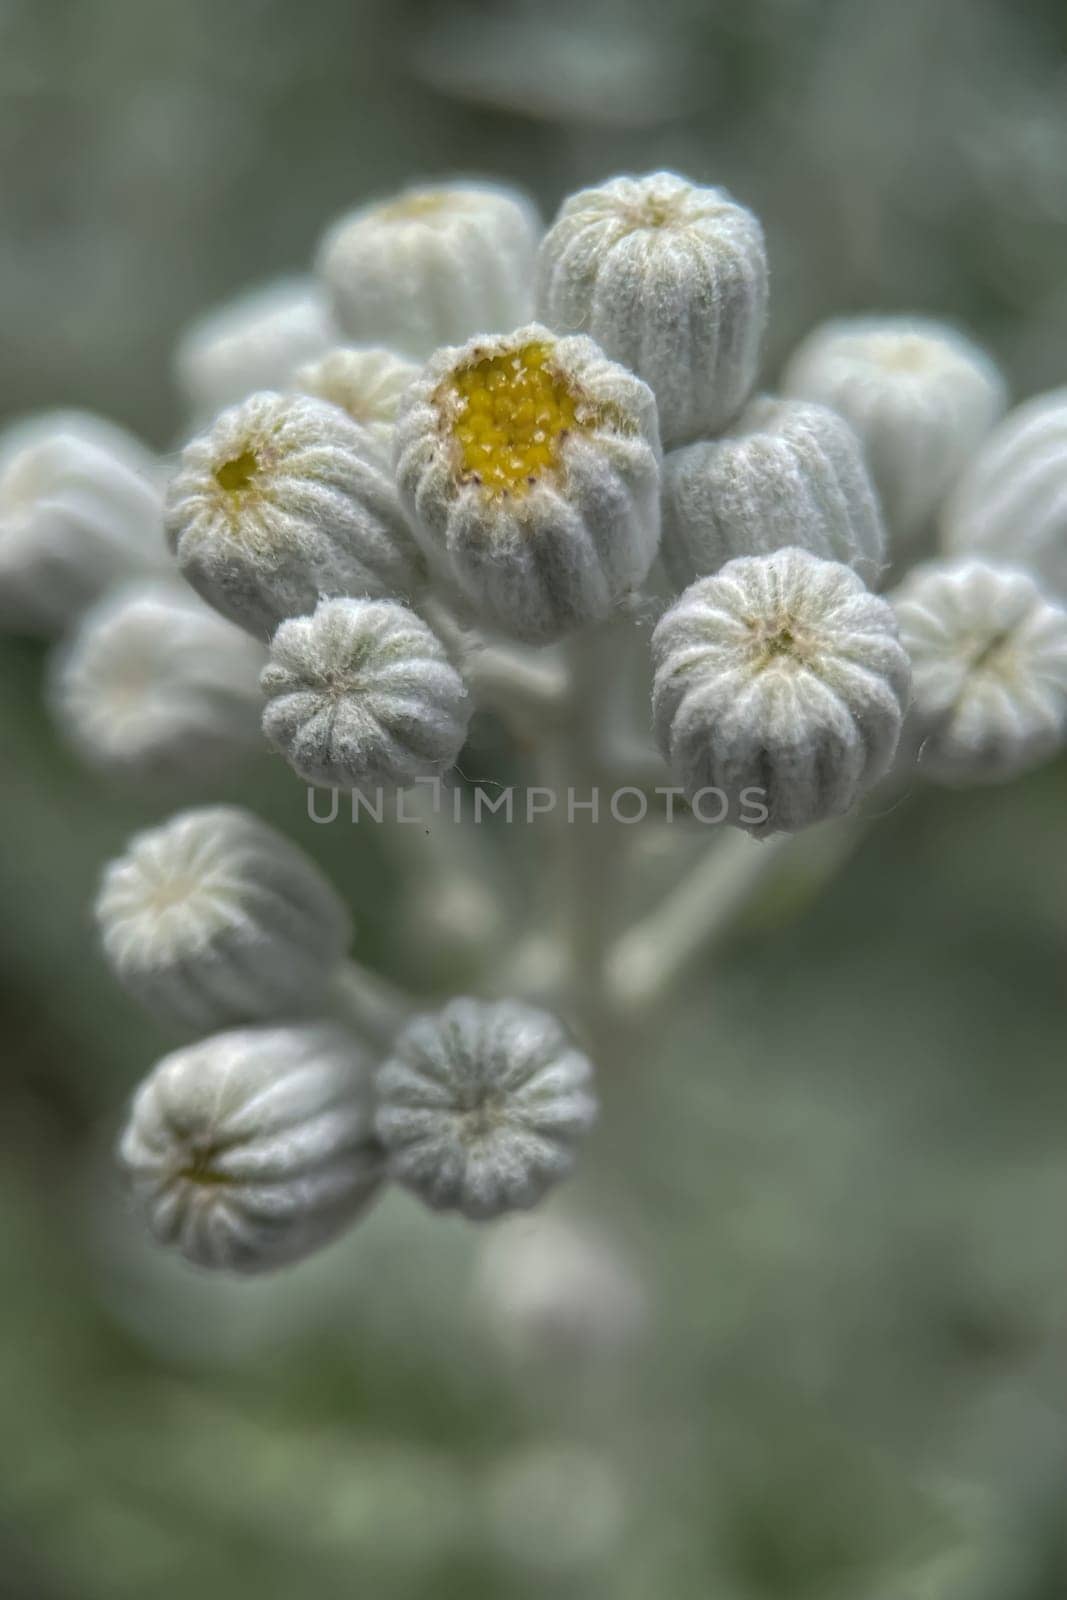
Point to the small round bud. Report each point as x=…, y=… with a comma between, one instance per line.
x=787, y=474
x=367, y=384
x=215, y=918
x=1011, y=502
x=671, y=281
x=920, y=396
x=154, y=686
x=253, y=1148
x=432, y=266
x=278, y=504
x=80, y=509
x=780, y=687
x=254, y=342
x=480, y=1108
x=989, y=664
x=362, y=695
x=530, y=467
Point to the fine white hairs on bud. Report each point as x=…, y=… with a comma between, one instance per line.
x=80, y=508
x=253, y=1148
x=530, y=466
x=254, y=342
x=480, y=1108
x=920, y=396
x=989, y=664
x=671, y=281
x=154, y=686
x=432, y=266
x=1011, y=502
x=780, y=686
x=365, y=383
x=788, y=474
x=279, y=503
x=362, y=694
x=214, y=918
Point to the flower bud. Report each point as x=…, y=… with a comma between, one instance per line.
x=214, y=918
x=919, y=395
x=780, y=685
x=277, y=504
x=1011, y=502
x=530, y=468
x=671, y=281
x=80, y=509
x=787, y=474
x=367, y=384
x=253, y=1148
x=154, y=686
x=362, y=695
x=989, y=663
x=254, y=342
x=432, y=266
x=480, y=1108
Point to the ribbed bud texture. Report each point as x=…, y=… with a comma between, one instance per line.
x=788, y=474
x=367, y=384
x=279, y=503
x=530, y=467
x=362, y=695
x=780, y=685
x=432, y=266
x=215, y=918
x=481, y=1107
x=989, y=662
x=671, y=281
x=254, y=1147
x=254, y=342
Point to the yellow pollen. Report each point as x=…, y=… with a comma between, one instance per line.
x=514, y=415
x=237, y=473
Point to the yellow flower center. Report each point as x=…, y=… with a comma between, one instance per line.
x=237, y=473
x=513, y=415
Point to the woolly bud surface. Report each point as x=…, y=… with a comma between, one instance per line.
x=254, y=1147
x=154, y=686
x=480, y=1107
x=1011, y=502
x=530, y=468
x=780, y=683
x=920, y=396
x=788, y=474
x=215, y=918
x=362, y=695
x=671, y=281
x=989, y=663
x=279, y=503
x=432, y=266
x=80, y=509
x=367, y=384
x=254, y=342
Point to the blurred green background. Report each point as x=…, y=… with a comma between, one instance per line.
x=838, y=1191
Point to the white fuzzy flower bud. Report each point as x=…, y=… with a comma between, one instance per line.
x=367, y=384
x=253, y=342
x=989, y=663
x=362, y=695
x=254, y=1147
x=1011, y=502
x=787, y=474
x=671, y=281
x=780, y=685
x=80, y=508
x=530, y=467
x=480, y=1108
x=432, y=266
x=154, y=686
x=920, y=396
x=277, y=504
x=214, y=918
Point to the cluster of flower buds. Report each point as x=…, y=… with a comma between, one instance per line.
x=464, y=436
